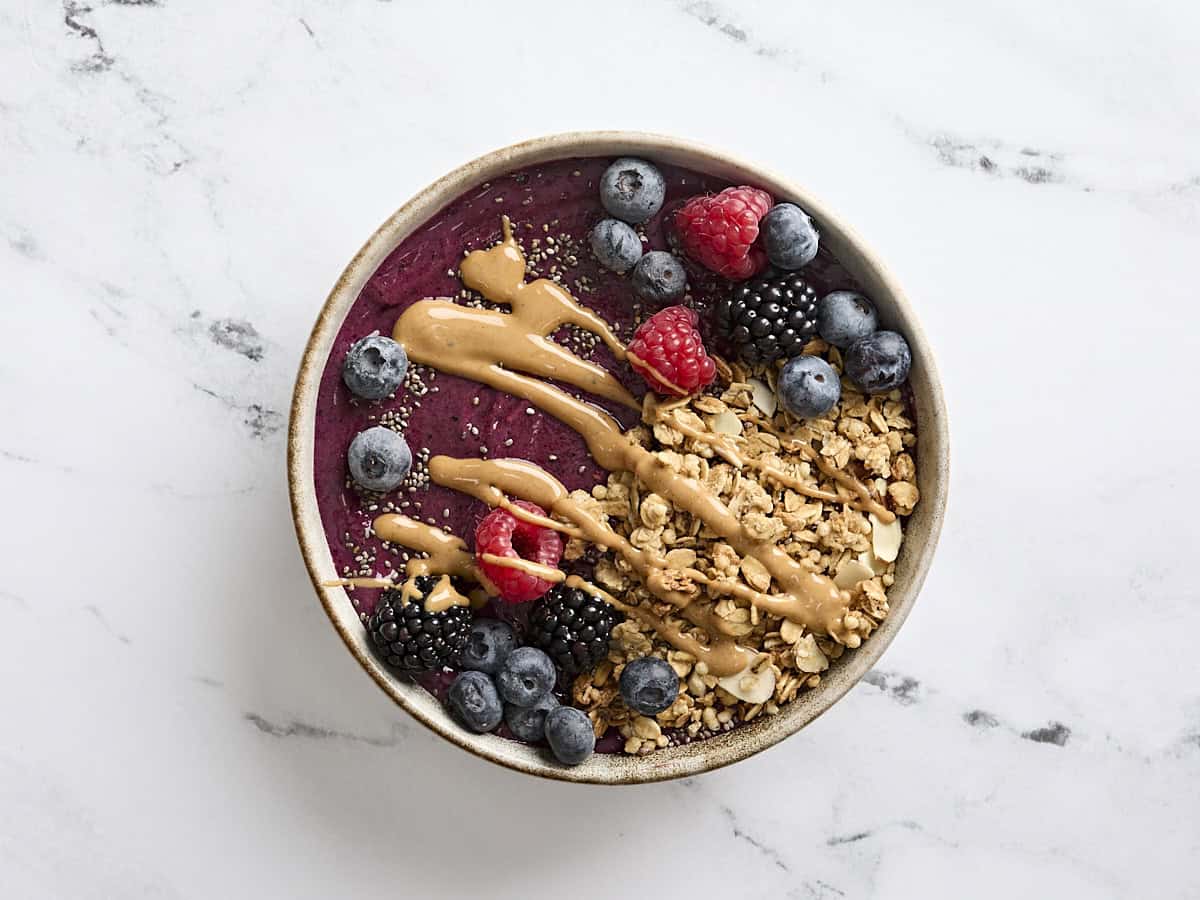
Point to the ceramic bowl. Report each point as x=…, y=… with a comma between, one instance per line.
x=921, y=529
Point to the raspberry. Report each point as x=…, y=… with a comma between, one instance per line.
x=719, y=232
x=503, y=534
x=666, y=350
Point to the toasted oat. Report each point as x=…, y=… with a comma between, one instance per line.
x=904, y=495
x=809, y=657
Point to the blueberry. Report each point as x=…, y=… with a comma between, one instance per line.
x=374, y=367
x=475, y=702
x=659, y=276
x=529, y=723
x=616, y=245
x=808, y=387
x=570, y=735
x=845, y=316
x=488, y=645
x=632, y=190
x=879, y=361
x=526, y=676
x=789, y=236
x=649, y=685
x=379, y=459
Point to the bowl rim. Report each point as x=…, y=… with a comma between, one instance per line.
x=696, y=758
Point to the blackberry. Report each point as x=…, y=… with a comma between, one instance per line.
x=410, y=639
x=768, y=319
x=573, y=628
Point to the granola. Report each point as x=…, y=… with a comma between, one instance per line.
x=869, y=437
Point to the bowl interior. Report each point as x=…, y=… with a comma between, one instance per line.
x=922, y=528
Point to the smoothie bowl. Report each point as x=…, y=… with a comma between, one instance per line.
x=614, y=460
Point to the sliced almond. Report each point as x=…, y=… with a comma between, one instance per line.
x=763, y=397
x=850, y=573
x=666, y=435
x=725, y=423
x=756, y=574
x=867, y=558
x=809, y=657
x=681, y=558
x=790, y=631
x=751, y=686
x=709, y=404
x=689, y=419
x=885, y=539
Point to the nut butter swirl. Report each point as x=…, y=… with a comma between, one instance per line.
x=446, y=555
x=512, y=352
x=465, y=341
x=725, y=446
x=722, y=655
x=491, y=480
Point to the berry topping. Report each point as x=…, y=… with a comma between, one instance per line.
x=667, y=351
x=374, y=367
x=573, y=627
x=808, y=387
x=768, y=319
x=659, y=277
x=475, y=702
x=526, y=676
x=616, y=245
x=411, y=639
x=879, y=362
x=789, y=236
x=719, y=232
x=649, y=685
x=488, y=645
x=528, y=723
x=632, y=190
x=570, y=735
x=845, y=316
x=379, y=459
x=503, y=534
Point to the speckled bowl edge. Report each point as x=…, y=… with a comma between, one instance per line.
x=922, y=529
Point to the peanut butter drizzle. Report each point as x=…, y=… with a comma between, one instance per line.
x=442, y=597
x=491, y=480
x=484, y=346
x=528, y=566
x=722, y=655
x=516, y=475
x=363, y=581
x=807, y=598
x=446, y=556
x=463, y=340
x=865, y=502
x=655, y=374
x=534, y=519
x=725, y=446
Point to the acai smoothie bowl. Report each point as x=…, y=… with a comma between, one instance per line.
x=613, y=459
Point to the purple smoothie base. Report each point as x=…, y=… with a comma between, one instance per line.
x=562, y=195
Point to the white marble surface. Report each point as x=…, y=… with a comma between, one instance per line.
x=180, y=719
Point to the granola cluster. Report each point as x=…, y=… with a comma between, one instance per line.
x=871, y=438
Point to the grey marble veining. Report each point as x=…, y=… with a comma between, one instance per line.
x=181, y=184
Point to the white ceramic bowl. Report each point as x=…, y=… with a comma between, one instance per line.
x=922, y=528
